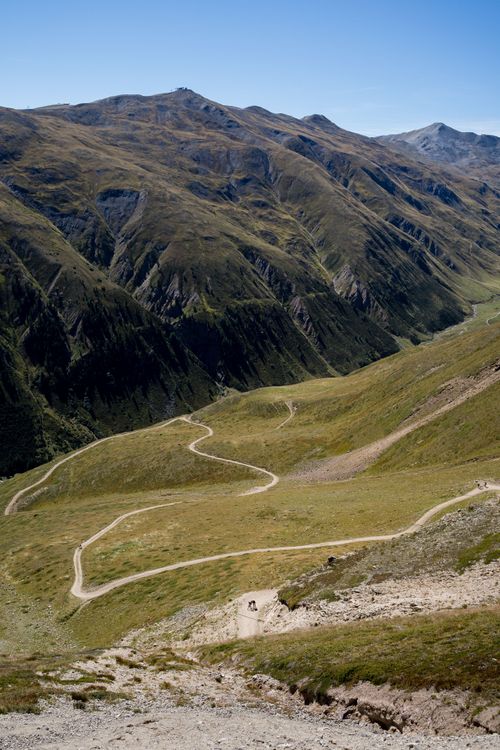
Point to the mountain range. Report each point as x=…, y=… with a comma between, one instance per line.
x=157, y=250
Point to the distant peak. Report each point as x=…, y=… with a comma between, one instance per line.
x=435, y=129
x=440, y=127
x=320, y=121
x=184, y=93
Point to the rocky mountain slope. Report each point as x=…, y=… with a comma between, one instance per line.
x=155, y=248
x=79, y=355
x=475, y=155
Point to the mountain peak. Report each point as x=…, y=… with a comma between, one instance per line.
x=442, y=143
x=135, y=107
x=320, y=121
x=439, y=128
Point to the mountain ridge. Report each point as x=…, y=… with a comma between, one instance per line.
x=264, y=248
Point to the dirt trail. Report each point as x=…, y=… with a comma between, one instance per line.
x=76, y=589
x=13, y=504
x=349, y=464
x=292, y=409
x=105, y=588
x=250, y=622
x=274, y=479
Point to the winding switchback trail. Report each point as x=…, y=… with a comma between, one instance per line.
x=105, y=588
x=94, y=593
x=76, y=589
x=488, y=322
x=274, y=479
x=12, y=505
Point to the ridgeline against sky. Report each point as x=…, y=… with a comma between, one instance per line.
x=372, y=67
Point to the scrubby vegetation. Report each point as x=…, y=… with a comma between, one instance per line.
x=460, y=539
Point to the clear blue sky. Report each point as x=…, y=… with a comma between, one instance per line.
x=370, y=66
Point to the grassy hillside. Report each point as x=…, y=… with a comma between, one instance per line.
x=151, y=467
x=443, y=651
x=335, y=416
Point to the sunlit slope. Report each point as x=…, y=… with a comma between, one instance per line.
x=333, y=416
x=330, y=416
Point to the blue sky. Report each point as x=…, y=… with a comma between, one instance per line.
x=370, y=66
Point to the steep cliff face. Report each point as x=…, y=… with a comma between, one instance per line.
x=157, y=248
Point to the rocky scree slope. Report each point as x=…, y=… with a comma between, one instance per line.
x=154, y=249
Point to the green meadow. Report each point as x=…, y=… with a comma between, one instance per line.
x=331, y=416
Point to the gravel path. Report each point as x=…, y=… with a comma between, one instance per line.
x=105, y=588
x=170, y=727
